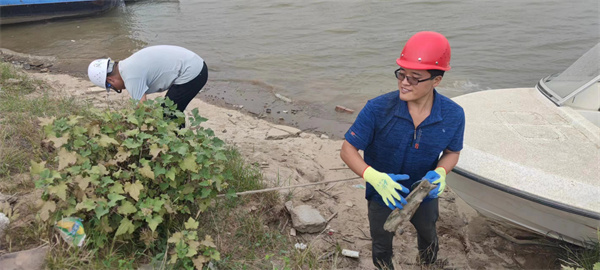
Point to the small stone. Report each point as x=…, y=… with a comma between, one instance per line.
x=4, y=222
x=307, y=219
x=323, y=136
x=224, y=131
x=32, y=259
x=13, y=81
x=44, y=70
x=268, y=110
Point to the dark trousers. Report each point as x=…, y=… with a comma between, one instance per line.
x=182, y=94
x=424, y=221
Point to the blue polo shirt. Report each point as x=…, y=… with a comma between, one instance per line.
x=385, y=131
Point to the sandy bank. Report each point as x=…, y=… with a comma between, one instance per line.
x=289, y=156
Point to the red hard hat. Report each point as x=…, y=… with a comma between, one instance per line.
x=426, y=50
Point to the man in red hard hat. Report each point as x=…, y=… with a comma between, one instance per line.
x=402, y=134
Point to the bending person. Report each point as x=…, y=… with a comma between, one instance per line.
x=153, y=69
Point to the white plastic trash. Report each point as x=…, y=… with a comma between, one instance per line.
x=300, y=246
x=350, y=253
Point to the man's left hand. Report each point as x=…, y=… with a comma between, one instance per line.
x=438, y=177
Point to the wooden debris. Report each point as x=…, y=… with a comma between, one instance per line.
x=399, y=217
x=332, y=216
x=343, y=109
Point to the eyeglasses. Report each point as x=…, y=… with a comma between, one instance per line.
x=411, y=80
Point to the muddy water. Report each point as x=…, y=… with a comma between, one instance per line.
x=326, y=53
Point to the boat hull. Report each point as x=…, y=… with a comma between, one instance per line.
x=546, y=217
x=22, y=11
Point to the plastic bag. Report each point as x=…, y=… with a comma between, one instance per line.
x=71, y=230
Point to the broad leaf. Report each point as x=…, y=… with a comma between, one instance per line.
x=122, y=155
x=114, y=198
x=47, y=208
x=154, y=222
x=134, y=189
x=126, y=208
x=59, y=190
x=46, y=121
x=66, y=158
x=101, y=209
x=58, y=142
x=192, y=248
x=126, y=226
x=200, y=261
x=104, y=141
x=117, y=188
x=86, y=204
x=147, y=172
x=189, y=163
x=37, y=168
x=175, y=238
x=208, y=242
x=191, y=224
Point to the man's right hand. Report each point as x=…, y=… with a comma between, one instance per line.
x=386, y=185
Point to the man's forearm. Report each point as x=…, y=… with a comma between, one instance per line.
x=448, y=160
x=353, y=159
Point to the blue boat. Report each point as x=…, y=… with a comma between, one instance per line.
x=20, y=11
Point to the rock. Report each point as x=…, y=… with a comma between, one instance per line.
x=325, y=137
x=32, y=259
x=13, y=81
x=307, y=219
x=4, y=222
x=279, y=132
x=289, y=206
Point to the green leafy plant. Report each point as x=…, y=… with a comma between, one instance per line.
x=134, y=174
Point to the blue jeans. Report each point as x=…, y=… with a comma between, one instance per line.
x=423, y=220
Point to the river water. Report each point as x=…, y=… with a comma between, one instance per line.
x=326, y=52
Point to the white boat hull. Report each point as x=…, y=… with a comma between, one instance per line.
x=546, y=217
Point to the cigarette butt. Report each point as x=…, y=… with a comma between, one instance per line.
x=350, y=253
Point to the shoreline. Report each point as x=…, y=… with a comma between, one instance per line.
x=251, y=97
x=288, y=156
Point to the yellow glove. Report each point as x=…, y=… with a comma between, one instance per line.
x=437, y=176
x=385, y=184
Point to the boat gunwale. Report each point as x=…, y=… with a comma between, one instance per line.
x=526, y=195
x=555, y=97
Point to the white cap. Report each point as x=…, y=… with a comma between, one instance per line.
x=97, y=71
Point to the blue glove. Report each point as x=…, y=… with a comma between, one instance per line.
x=386, y=185
x=438, y=177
